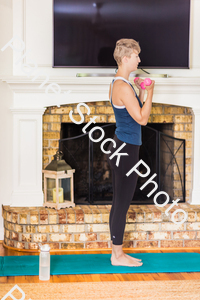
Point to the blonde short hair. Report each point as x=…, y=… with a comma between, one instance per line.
x=125, y=47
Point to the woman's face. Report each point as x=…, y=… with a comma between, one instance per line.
x=134, y=60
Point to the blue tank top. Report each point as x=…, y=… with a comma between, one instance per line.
x=128, y=130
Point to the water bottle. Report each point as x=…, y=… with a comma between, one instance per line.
x=44, y=262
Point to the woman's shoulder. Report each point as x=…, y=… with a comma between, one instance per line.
x=120, y=83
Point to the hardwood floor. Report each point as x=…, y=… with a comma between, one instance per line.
x=101, y=277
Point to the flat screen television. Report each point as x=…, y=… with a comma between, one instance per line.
x=85, y=32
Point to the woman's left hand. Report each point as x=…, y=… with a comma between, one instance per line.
x=138, y=82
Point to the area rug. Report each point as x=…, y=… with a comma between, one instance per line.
x=100, y=264
x=128, y=290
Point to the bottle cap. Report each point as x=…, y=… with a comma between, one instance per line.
x=45, y=247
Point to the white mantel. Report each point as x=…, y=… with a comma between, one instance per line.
x=183, y=91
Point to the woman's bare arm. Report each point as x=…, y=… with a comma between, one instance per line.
x=137, y=82
x=141, y=95
x=127, y=96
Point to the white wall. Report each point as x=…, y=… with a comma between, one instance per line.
x=6, y=33
x=5, y=103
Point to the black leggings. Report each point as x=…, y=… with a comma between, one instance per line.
x=123, y=187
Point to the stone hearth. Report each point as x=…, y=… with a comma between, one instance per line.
x=87, y=227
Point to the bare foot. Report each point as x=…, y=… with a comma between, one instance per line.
x=125, y=260
x=133, y=258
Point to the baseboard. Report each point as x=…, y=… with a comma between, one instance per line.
x=109, y=250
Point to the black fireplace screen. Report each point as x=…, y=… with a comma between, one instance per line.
x=164, y=154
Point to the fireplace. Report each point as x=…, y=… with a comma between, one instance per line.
x=37, y=221
x=29, y=140
x=32, y=110
x=166, y=148
x=93, y=180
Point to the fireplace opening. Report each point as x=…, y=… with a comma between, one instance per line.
x=164, y=154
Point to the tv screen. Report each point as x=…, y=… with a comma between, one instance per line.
x=85, y=32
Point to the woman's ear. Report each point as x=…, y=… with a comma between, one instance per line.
x=125, y=59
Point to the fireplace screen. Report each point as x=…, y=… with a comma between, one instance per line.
x=164, y=154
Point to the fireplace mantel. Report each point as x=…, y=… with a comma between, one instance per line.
x=29, y=103
x=173, y=90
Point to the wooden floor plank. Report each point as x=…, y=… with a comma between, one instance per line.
x=125, y=277
x=3, y=279
x=156, y=276
x=95, y=277
x=118, y=277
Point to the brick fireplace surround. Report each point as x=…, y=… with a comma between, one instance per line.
x=87, y=226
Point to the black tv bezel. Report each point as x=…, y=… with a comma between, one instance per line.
x=114, y=68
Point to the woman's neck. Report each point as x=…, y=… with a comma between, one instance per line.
x=123, y=73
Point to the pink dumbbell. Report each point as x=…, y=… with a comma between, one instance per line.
x=147, y=82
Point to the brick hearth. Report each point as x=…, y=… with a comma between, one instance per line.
x=87, y=227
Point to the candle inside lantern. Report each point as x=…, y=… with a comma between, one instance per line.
x=60, y=194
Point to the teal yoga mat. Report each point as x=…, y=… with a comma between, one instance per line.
x=100, y=264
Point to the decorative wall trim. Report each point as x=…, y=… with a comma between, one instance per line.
x=28, y=110
x=174, y=91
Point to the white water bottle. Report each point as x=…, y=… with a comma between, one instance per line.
x=44, y=262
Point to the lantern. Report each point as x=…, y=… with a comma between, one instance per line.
x=58, y=183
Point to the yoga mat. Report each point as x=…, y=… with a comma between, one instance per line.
x=100, y=264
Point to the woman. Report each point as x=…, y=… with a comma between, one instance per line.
x=130, y=114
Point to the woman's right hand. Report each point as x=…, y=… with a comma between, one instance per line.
x=150, y=88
